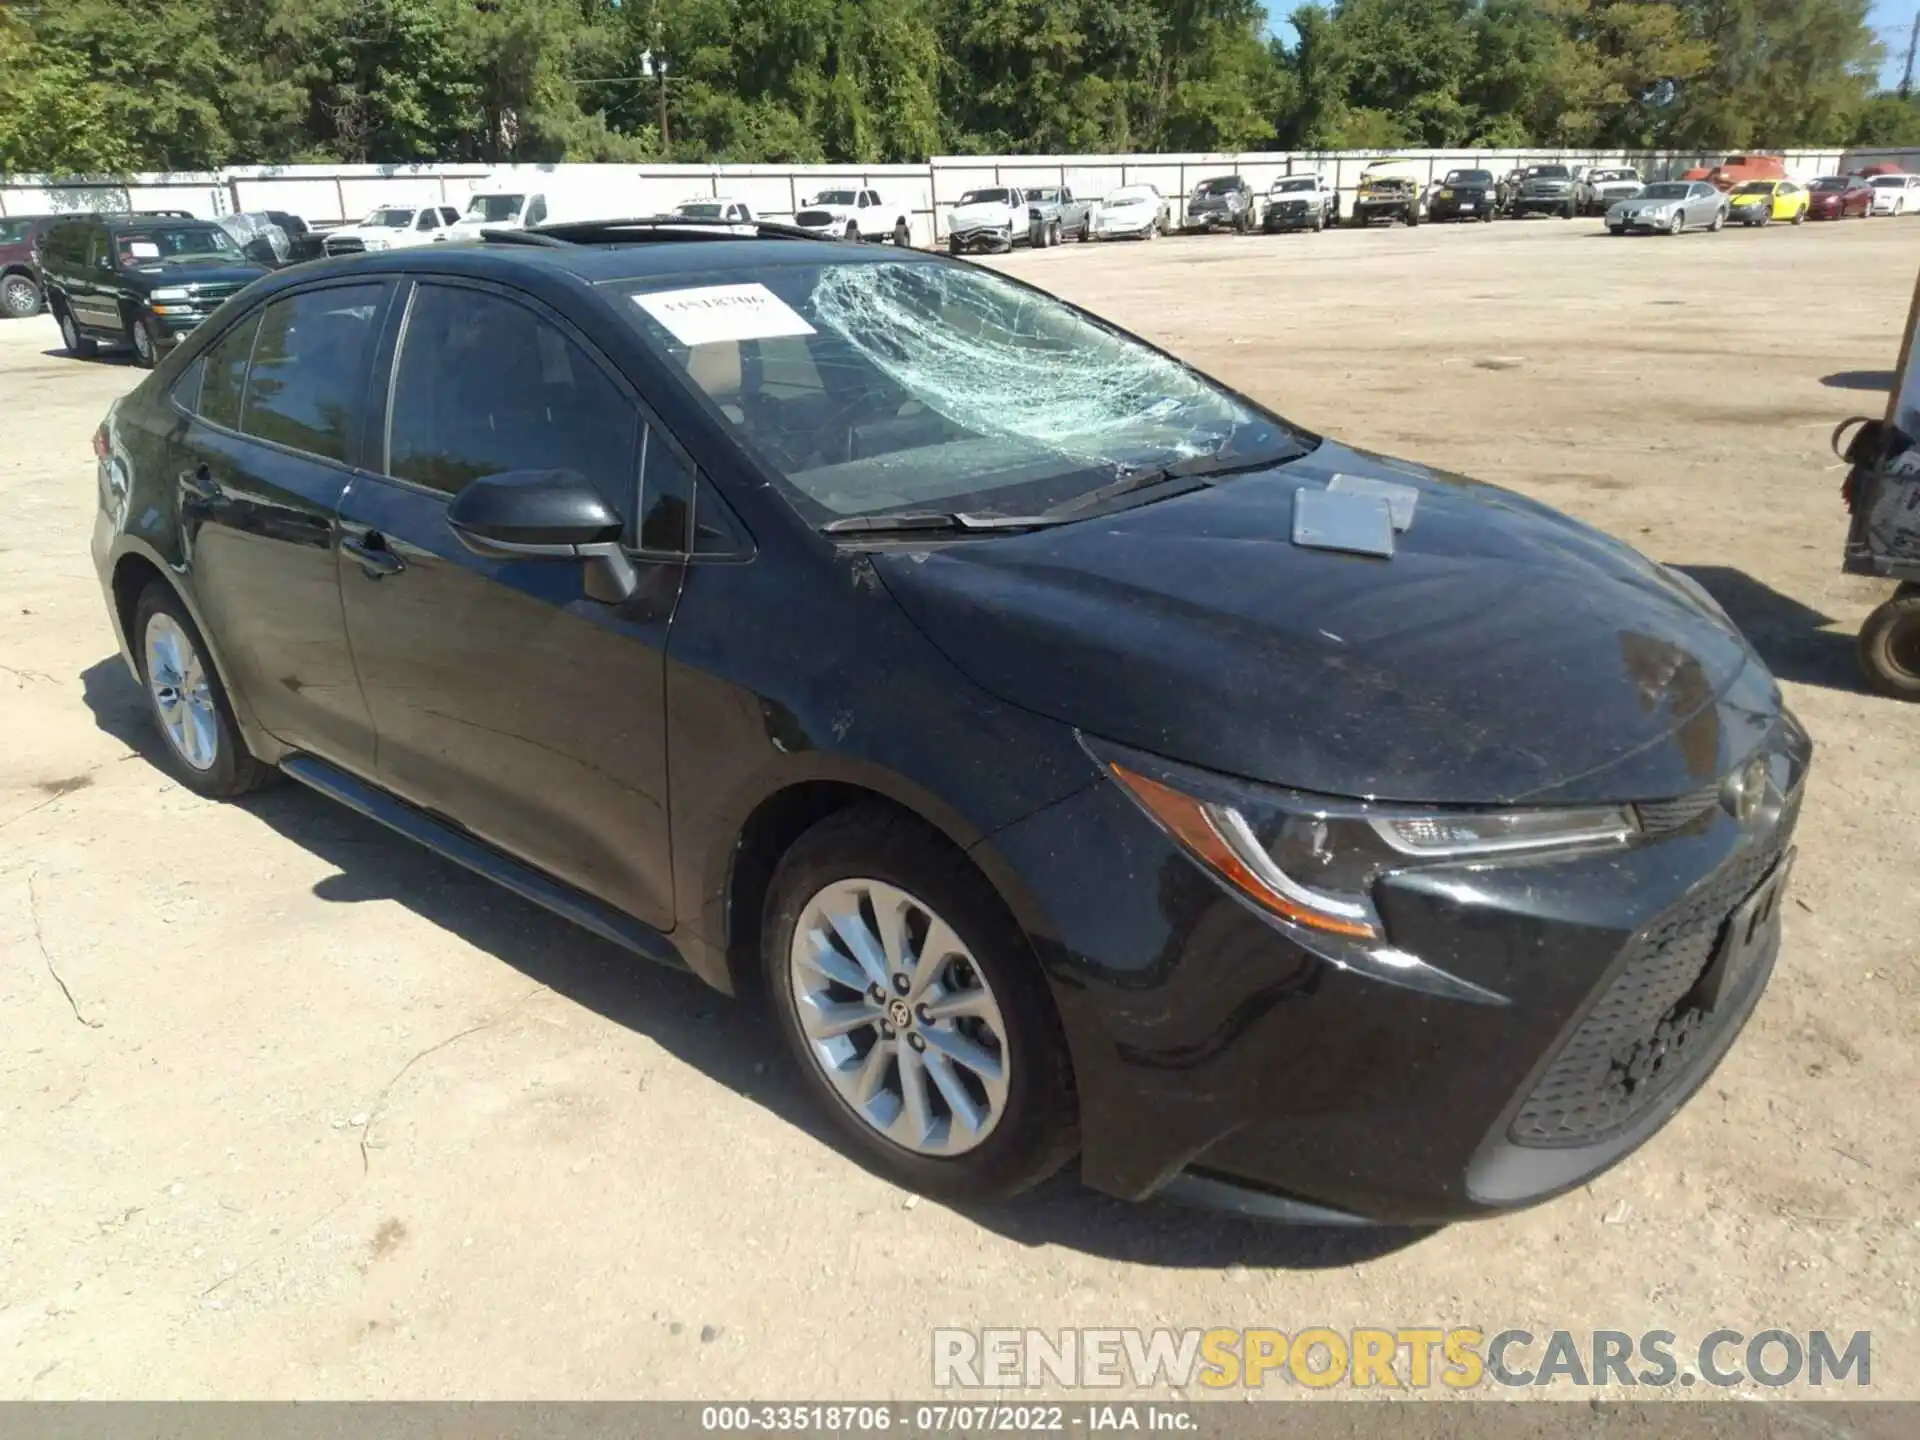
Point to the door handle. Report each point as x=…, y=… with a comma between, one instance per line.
x=370, y=552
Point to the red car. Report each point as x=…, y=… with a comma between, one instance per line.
x=1834, y=197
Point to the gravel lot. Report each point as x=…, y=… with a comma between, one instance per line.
x=288, y=1108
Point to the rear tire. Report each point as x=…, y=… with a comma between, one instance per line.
x=953, y=245
x=146, y=353
x=189, y=704
x=1032, y=1112
x=1889, y=647
x=80, y=346
x=20, y=297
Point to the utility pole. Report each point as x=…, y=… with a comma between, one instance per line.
x=652, y=65
x=1913, y=42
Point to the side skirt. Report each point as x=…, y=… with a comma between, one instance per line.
x=476, y=855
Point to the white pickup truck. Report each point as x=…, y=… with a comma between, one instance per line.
x=393, y=227
x=854, y=215
x=997, y=218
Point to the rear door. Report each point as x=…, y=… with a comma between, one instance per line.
x=506, y=699
x=278, y=403
x=95, y=279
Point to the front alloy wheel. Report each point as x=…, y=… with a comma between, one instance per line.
x=915, y=1009
x=898, y=1017
x=143, y=347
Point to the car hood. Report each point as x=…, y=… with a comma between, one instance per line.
x=1505, y=653
x=202, y=276
x=989, y=212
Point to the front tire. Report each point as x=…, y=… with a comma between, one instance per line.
x=20, y=297
x=1676, y=225
x=914, y=1010
x=902, y=237
x=1719, y=219
x=1889, y=647
x=853, y=233
x=1800, y=216
x=189, y=704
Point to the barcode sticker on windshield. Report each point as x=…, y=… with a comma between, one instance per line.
x=723, y=312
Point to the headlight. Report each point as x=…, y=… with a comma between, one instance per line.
x=1311, y=861
x=379, y=245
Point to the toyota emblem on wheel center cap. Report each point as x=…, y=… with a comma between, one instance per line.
x=900, y=1014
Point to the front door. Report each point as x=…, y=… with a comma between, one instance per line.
x=262, y=468
x=504, y=697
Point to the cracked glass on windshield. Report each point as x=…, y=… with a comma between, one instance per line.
x=885, y=385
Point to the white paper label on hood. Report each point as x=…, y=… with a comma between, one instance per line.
x=723, y=312
x=142, y=250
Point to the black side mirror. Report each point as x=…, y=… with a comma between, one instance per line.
x=545, y=515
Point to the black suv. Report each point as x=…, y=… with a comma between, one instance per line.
x=1001, y=698
x=20, y=237
x=138, y=280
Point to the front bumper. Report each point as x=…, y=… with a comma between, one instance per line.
x=1215, y=219
x=1825, y=212
x=1470, y=205
x=1219, y=1061
x=982, y=237
x=1546, y=204
x=1373, y=207
x=1291, y=215
x=1126, y=230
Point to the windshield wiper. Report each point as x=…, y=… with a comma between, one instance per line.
x=932, y=522
x=1202, y=468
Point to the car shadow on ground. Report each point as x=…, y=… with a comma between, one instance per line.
x=1858, y=380
x=1790, y=635
x=122, y=358
x=732, y=1042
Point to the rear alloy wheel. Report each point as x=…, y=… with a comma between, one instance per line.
x=19, y=297
x=187, y=700
x=140, y=336
x=914, y=1011
x=70, y=336
x=1889, y=647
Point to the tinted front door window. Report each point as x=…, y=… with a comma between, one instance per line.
x=486, y=386
x=309, y=379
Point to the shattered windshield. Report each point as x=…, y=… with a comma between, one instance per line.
x=834, y=197
x=888, y=385
x=984, y=197
x=388, y=219
x=1287, y=187
x=698, y=210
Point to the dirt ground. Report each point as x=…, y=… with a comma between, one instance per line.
x=290, y=1109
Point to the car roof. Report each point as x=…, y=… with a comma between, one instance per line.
x=686, y=252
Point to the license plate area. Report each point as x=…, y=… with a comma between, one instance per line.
x=1749, y=931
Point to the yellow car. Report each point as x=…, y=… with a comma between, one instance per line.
x=1761, y=202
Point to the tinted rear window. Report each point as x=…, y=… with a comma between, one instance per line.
x=225, y=376
x=307, y=388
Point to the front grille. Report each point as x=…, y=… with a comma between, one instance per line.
x=1645, y=1032
x=814, y=218
x=345, y=245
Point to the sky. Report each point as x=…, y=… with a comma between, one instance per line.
x=1891, y=20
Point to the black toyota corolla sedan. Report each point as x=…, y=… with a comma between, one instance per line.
x=1085, y=762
